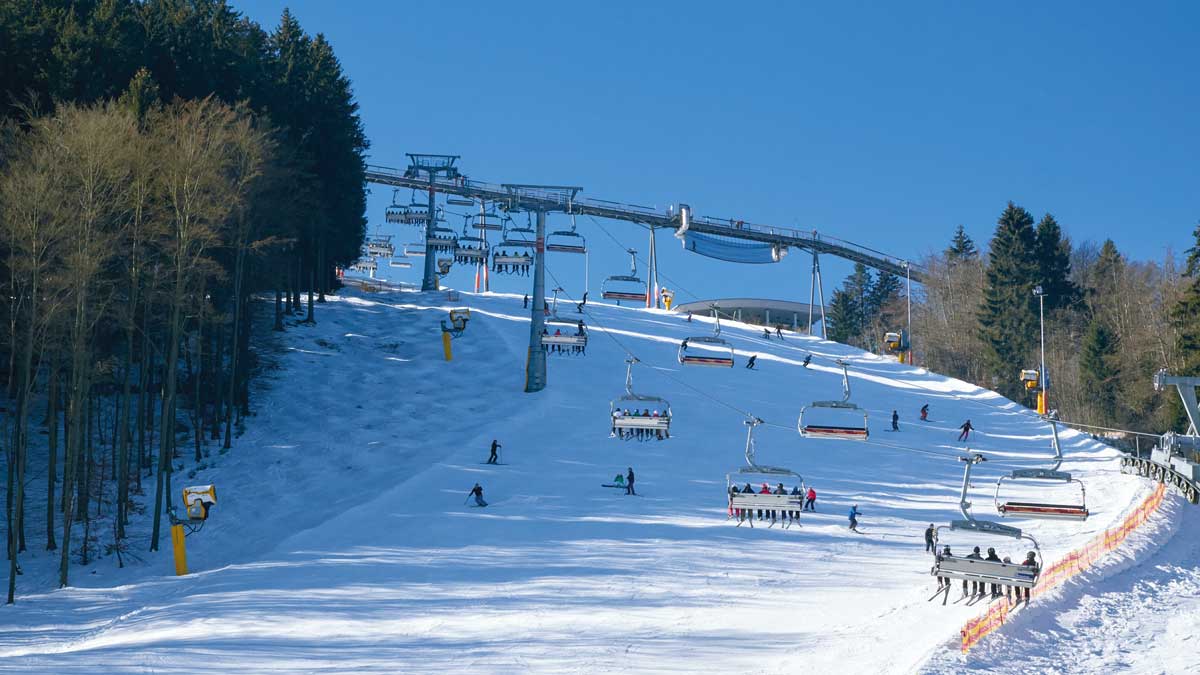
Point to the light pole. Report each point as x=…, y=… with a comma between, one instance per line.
x=908, y=301
x=1041, y=296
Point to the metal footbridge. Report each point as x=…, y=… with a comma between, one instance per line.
x=551, y=200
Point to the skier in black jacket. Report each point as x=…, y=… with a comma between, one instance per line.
x=929, y=535
x=493, y=458
x=629, y=482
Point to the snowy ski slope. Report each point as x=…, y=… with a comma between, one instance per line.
x=342, y=541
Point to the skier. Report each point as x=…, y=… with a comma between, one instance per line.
x=477, y=493
x=689, y=317
x=1030, y=561
x=966, y=430
x=750, y=363
x=493, y=458
x=976, y=586
x=810, y=500
x=629, y=483
x=929, y=535
x=683, y=345
x=854, y=518
x=779, y=332
x=895, y=421
x=807, y=360
x=992, y=557
x=525, y=304
x=766, y=334
x=925, y=413
x=944, y=582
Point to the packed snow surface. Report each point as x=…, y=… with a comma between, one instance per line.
x=343, y=540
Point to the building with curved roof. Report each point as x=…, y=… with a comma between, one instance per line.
x=758, y=311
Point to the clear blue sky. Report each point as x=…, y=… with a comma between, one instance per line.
x=885, y=125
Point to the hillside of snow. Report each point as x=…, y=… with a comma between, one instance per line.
x=342, y=540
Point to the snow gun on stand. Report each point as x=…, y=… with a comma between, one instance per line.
x=197, y=501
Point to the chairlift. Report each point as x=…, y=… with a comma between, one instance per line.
x=743, y=505
x=441, y=240
x=394, y=212
x=459, y=201
x=625, y=286
x=714, y=351
x=471, y=250
x=1075, y=510
x=627, y=422
x=575, y=337
x=983, y=571
x=487, y=221
x=834, y=419
x=416, y=213
x=365, y=265
x=566, y=241
x=414, y=250
x=380, y=246
x=399, y=262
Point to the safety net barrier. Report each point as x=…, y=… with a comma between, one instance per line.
x=729, y=250
x=1067, y=567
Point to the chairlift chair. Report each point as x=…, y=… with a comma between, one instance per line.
x=459, y=201
x=441, y=240
x=400, y=263
x=1075, y=510
x=834, y=419
x=444, y=265
x=380, y=246
x=414, y=250
x=743, y=505
x=566, y=241
x=471, y=250
x=983, y=571
x=504, y=262
x=486, y=221
x=625, y=426
x=394, y=212
x=417, y=213
x=714, y=351
x=625, y=286
x=576, y=336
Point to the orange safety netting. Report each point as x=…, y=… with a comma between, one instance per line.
x=1068, y=566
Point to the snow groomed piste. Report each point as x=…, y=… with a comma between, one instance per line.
x=359, y=552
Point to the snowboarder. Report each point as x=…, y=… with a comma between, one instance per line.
x=689, y=317
x=766, y=334
x=854, y=517
x=966, y=430
x=930, y=533
x=494, y=458
x=750, y=363
x=525, y=302
x=810, y=500
x=895, y=421
x=683, y=345
x=925, y=413
x=477, y=493
x=629, y=482
x=807, y=360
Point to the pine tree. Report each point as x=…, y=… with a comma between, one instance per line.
x=844, y=317
x=1054, y=265
x=1186, y=315
x=858, y=287
x=962, y=247
x=885, y=290
x=1100, y=370
x=1008, y=317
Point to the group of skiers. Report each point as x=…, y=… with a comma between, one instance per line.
x=980, y=588
x=510, y=268
x=807, y=502
x=465, y=259
x=640, y=434
x=555, y=348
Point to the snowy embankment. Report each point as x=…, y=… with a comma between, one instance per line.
x=342, y=541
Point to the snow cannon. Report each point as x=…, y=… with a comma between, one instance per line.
x=197, y=500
